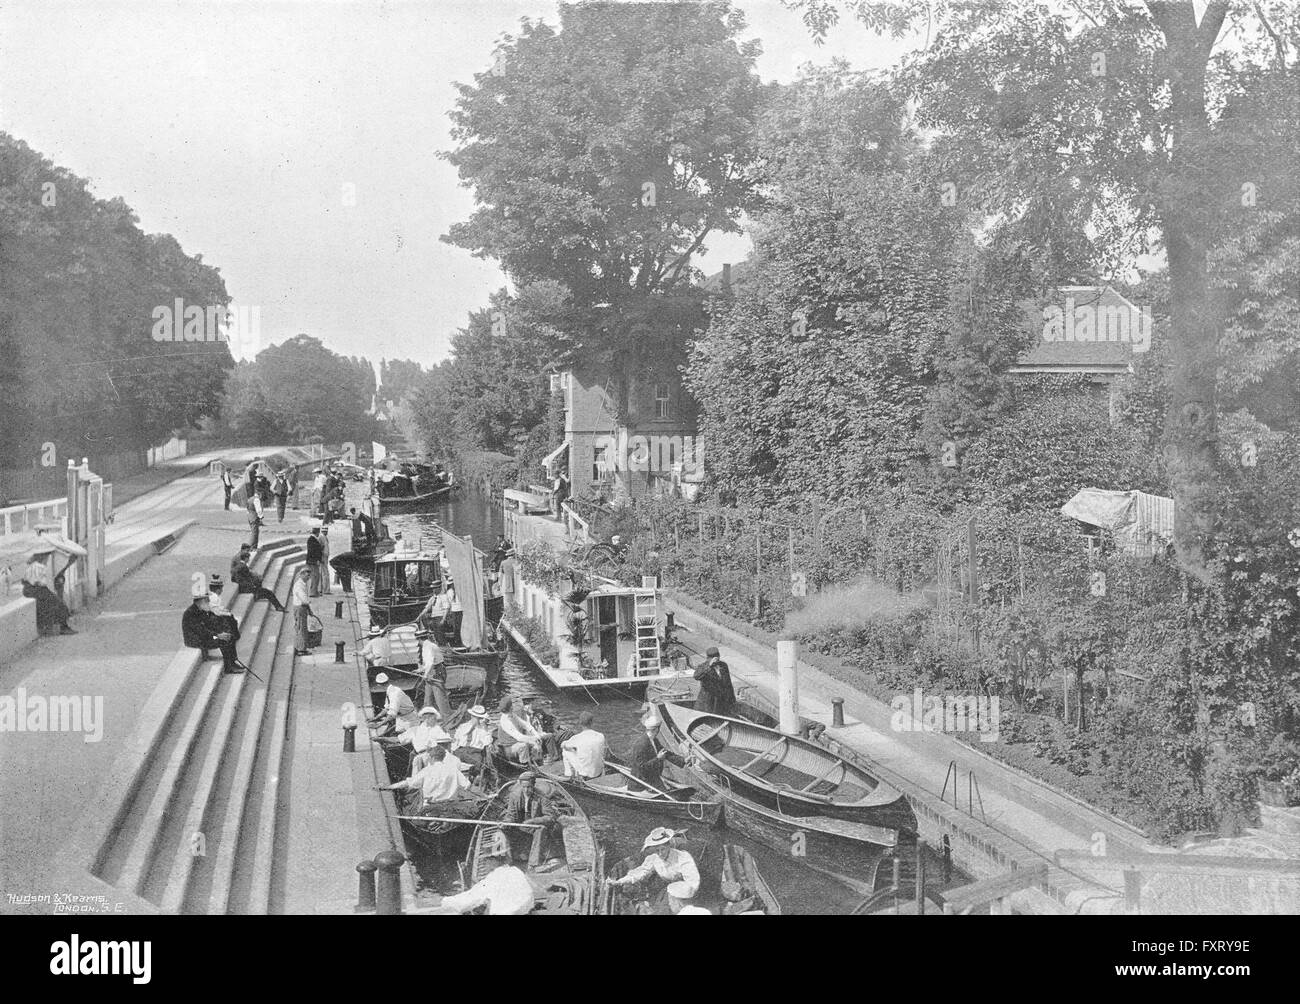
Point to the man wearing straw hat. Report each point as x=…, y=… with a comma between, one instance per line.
x=440, y=780
x=505, y=890
x=301, y=599
x=670, y=864
x=424, y=737
x=375, y=650
x=201, y=629
x=398, y=710
x=474, y=737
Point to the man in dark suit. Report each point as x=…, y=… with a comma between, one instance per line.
x=527, y=805
x=717, y=696
x=248, y=581
x=315, y=558
x=646, y=758
x=201, y=629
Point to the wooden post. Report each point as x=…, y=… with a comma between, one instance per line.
x=758, y=569
x=974, y=581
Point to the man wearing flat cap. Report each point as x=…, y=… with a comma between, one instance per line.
x=527, y=805
x=717, y=697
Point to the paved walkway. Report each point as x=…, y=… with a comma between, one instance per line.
x=126, y=639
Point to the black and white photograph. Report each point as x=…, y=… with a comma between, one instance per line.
x=777, y=458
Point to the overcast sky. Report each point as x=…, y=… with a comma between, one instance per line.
x=243, y=129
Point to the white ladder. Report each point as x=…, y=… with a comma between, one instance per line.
x=648, y=655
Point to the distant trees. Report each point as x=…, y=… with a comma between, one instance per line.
x=79, y=282
x=299, y=390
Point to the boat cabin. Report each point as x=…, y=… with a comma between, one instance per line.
x=403, y=582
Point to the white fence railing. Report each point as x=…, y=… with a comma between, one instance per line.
x=26, y=518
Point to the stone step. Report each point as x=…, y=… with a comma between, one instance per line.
x=163, y=822
x=174, y=873
x=210, y=891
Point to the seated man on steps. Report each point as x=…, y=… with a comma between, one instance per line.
x=249, y=581
x=201, y=629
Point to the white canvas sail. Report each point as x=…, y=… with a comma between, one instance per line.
x=466, y=570
x=379, y=451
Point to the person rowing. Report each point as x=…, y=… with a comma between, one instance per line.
x=505, y=890
x=440, y=781
x=398, y=713
x=646, y=759
x=669, y=864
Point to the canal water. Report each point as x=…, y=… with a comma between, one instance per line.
x=800, y=889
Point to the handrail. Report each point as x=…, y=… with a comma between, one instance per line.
x=951, y=772
x=972, y=782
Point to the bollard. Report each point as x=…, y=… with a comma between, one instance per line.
x=389, y=864
x=338, y=651
x=837, y=713
x=365, y=883
x=338, y=611
x=349, y=738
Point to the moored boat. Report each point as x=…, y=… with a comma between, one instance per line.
x=848, y=852
x=674, y=800
x=793, y=775
x=565, y=865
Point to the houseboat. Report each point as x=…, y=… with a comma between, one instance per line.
x=605, y=635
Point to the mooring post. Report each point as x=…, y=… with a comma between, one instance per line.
x=389, y=900
x=837, y=713
x=365, y=884
x=787, y=681
x=349, y=729
x=338, y=651
x=338, y=609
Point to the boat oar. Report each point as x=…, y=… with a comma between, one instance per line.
x=628, y=773
x=467, y=822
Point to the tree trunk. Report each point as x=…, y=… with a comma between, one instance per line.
x=1185, y=201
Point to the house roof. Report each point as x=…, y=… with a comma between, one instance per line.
x=1097, y=356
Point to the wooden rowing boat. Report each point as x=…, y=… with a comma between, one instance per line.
x=796, y=777
x=565, y=864
x=730, y=883
x=674, y=800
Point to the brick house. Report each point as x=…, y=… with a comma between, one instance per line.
x=643, y=445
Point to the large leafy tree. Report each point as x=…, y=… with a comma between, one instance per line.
x=297, y=391
x=1111, y=124
x=79, y=282
x=603, y=154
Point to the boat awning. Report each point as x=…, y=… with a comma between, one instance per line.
x=554, y=455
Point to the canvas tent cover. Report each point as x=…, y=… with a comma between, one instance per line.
x=1139, y=522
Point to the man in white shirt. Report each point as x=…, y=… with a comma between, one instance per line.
x=584, y=753
x=516, y=735
x=398, y=710
x=671, y=865
x=473, y=737
x=424, y=737
x=439, y=781
x=375, y=650
x=505, y=891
